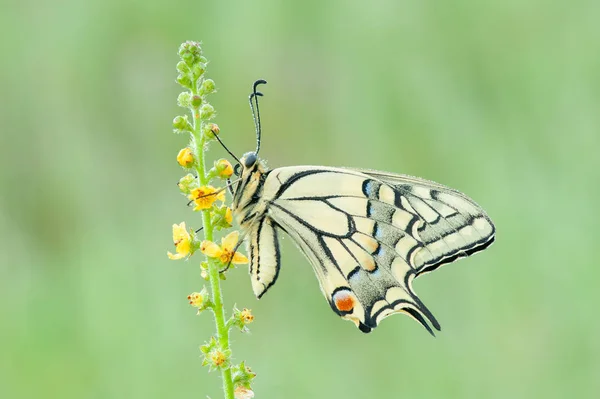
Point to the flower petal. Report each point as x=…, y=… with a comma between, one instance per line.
x=239, y=259
x=228, y=242
x=184, y=247
x=175, y=256
x=180, y=232
x=210, y=249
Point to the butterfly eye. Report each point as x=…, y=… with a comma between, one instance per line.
x=236, y=169
x=249, y=159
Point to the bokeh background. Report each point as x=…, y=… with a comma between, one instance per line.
x=500, y=99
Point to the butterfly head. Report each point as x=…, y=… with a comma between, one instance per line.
x=249, y=159
x=251, y=172
x=249, y=164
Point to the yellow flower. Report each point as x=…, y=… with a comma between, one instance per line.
x=218, y=358
x=185, y=157
x=224, y=168
x=196, y=299
x=246, y=316
x=205, y=196
x=228, y=215
x=224, y=252
x=182, y=241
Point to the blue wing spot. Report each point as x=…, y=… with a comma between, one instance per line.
x=367, y=187
x=370, y=188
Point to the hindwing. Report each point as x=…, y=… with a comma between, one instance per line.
x=263, y=248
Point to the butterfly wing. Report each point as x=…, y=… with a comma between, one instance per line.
x=367, y=235
x=450, y=225
x=263, y=247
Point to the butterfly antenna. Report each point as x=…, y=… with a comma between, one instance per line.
x=226, y=149
x=253, y=99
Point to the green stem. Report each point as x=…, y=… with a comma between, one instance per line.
x=213, y=268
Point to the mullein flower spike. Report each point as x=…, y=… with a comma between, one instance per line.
x=197, y=188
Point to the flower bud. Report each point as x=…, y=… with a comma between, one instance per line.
x=190, y=52
x=207, y=87
x=185, y=158
x=211, y=130
x=224, y=169
x=181, y=124
x=207, y=112
x=184, y=98
x=196, y=101
x=222, y=218
x=185, y=81
x=182, y=67
x=198, y=69
x=187, y=183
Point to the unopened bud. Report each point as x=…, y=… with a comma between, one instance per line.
x=185, y=158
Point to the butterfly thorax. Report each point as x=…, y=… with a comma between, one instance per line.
x=247, y=204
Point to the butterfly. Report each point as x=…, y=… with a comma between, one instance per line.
x=367, y=234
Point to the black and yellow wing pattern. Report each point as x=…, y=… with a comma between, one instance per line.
x=367, y=234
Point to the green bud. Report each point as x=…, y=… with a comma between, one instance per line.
x=209, y=346
x=187, y=183
x=210, y=130
x=208, y=87
x=196, y=101
x=181, y=124
x=185, y=81
x=222, y=218
x=188, y=58
x=198, y=69
x=190, y=52
x=207, y=112
x=182, y=67
x=184, y=98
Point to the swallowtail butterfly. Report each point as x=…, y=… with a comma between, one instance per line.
x=367, y=234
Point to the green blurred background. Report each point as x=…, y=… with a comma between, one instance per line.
x=500, y=99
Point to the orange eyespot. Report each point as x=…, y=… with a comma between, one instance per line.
x=344, y=301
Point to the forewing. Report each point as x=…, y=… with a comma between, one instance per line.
x=445, y=223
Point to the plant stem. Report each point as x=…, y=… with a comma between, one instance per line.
x=213, y=268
